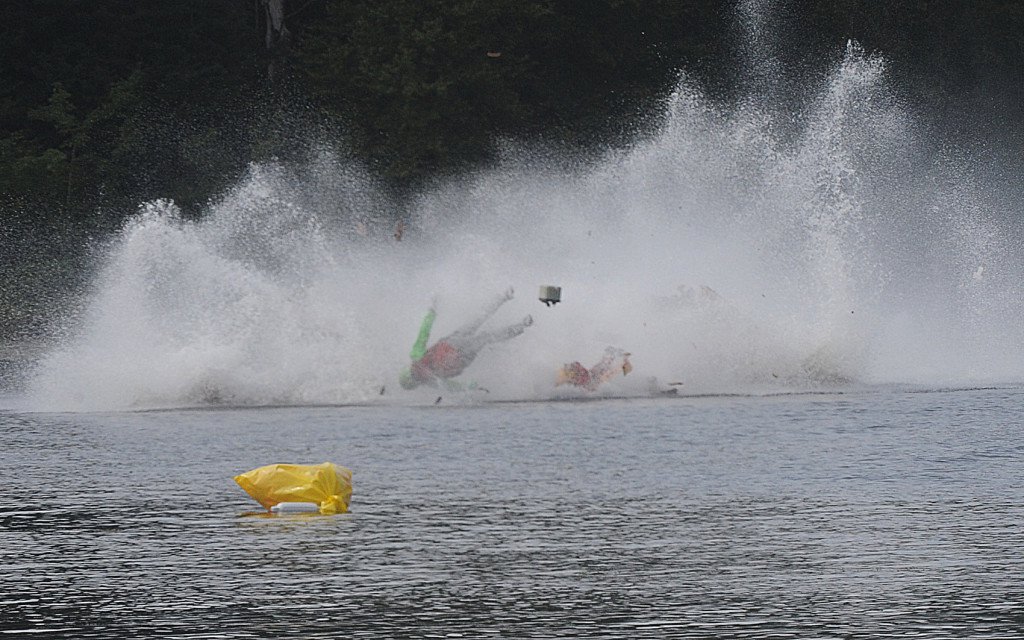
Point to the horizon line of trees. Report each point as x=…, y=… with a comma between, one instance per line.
x=105, y=103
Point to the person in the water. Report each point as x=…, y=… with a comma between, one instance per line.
x=450, y=355
x=613, y=361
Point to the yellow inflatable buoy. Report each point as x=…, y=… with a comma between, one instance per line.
x=327, y=485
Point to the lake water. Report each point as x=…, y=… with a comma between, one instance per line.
x=886, y=512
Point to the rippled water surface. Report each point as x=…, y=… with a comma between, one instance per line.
x=886, y=513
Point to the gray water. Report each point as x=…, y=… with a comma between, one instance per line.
x=887, y=512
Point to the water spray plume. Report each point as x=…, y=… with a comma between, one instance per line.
x=727, y=254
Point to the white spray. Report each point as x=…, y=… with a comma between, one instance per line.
x=725, y=254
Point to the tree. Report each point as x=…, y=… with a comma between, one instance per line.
x=427, y=87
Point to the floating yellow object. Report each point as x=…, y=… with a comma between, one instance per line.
x=327, y=485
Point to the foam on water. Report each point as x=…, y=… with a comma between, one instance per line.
x=842, y=248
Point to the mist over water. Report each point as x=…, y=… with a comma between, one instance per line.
x=840, y=248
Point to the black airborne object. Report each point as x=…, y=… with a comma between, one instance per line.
x=550, y=295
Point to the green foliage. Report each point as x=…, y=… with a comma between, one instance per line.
x=95, y=97
x=105, y=103
x=428, y=87
x=416, y=82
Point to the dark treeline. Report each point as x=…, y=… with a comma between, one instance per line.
x=108, y=103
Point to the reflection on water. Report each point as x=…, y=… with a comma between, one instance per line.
x=882, y=514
